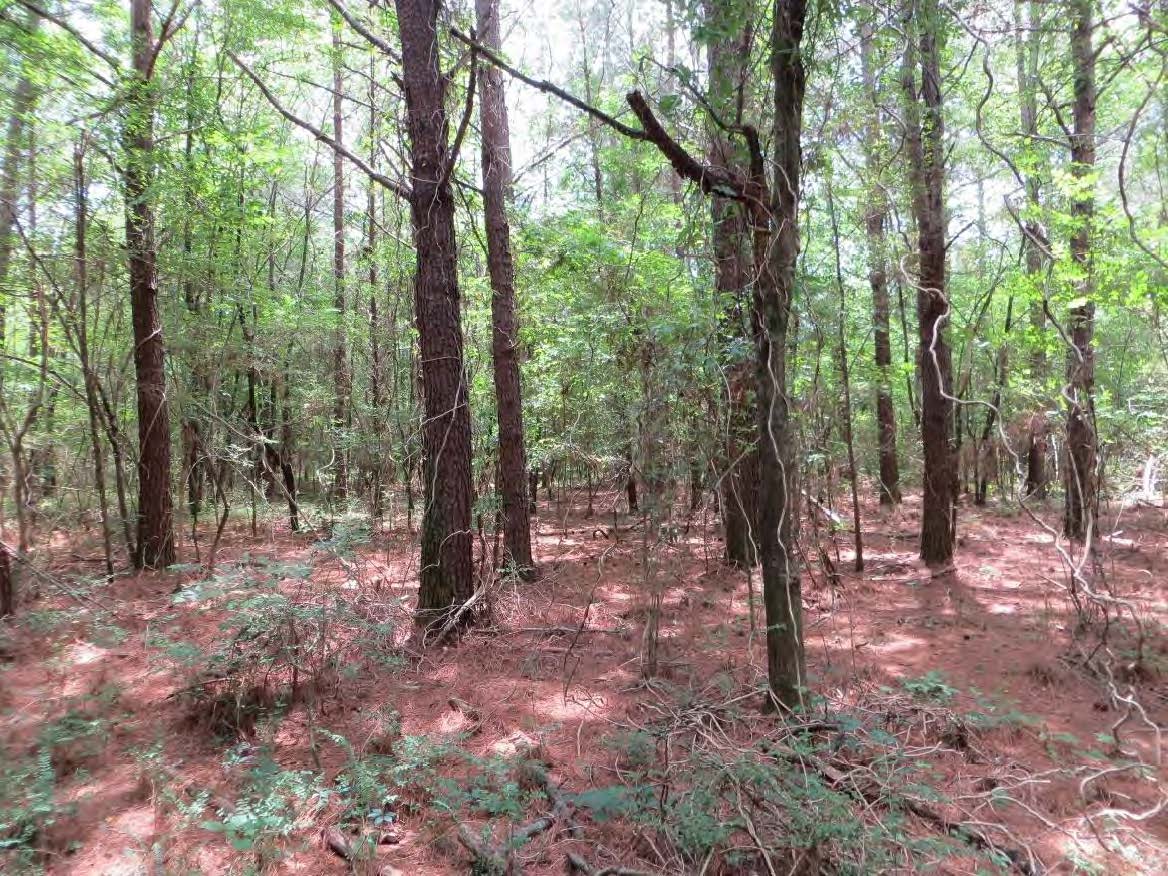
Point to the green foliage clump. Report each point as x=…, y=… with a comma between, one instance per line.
x=27, y=807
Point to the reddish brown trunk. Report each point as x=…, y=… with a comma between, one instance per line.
x=1027, y=36
x=155, y=547
x=7, y=585
x=1080, y=469
x=728, y=55
x=504, y=323
x=775, y=254
x=341, y=377
x=446, y=567
x=875, y=221
x=927, y=172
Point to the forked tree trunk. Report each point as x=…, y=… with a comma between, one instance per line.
x=1080, y=471
x=926, y=154
x=496, y=153
x=875, y=221
x=774, y=218
x=155, y=546
x=446, y=566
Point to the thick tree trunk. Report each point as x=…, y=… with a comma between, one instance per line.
x=7, y=584
x=446, y=566
x=155, y=547
x=342, y=380
x=1080, y=469
x=926, y=153
x=774, y=258
x=875, y=221
x=504, y=323
x=728, y=57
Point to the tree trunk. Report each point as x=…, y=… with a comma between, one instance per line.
x=81, y=267
x=287, y=451
x=728, y=57
x=1080, y=470
x=496, y=150
x=926, y=154
x=23, y=99
x=376, y=365
x=875, y=221
x=446, y=566
x=1026, y=43
x=631, y=483
x=155, y=547
x=775, y=254
x=342, y=380
x=7, y=584
x=846, y=386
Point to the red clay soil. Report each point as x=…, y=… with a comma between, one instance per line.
x=997, y=636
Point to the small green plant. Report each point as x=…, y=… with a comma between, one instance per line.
x=272, y=805
x=27, y=805
x=930, y=686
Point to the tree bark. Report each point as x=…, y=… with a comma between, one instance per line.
x=496, y=153
x=155, y=543
x=875, y=222
x=81, y=226
x=446, y=566
x=1080, y=469
x=376, y=365
x=728, y=59
x=846, y=386
x=774, y=257
x=23, y=100
x=342, y=380
x=926, y=152
x=1027, y=55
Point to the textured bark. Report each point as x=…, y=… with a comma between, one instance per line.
x=1080, y=469
x=287, y=453
x=774, y=258
x=728, y=57
x=342, y=380
x=1026, y=54
x=774, y=221
x=7, y=584
x=875, y=222
x=376, y=356
x=81, y=268
x=496, y=152
x=846, y=386
x=446, y=567
x=926, y=153
x=155, y=544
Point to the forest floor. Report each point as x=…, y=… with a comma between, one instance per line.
x=236, y=721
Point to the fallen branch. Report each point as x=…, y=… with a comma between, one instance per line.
x=577, y=864
x=960, y=830
x=452, y=622
x=499, y=858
